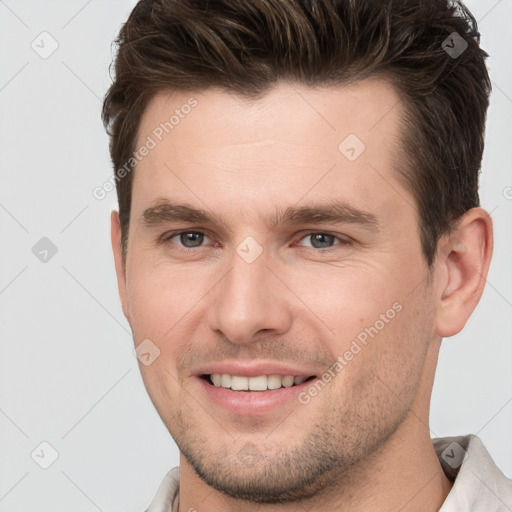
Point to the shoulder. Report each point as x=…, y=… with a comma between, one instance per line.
x=166, y=493
x=479, y=485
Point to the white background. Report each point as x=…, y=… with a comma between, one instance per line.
x=67, y=370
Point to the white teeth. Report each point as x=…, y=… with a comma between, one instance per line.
x=239, y=383
x=288, y=381
x=274, y=381
x=259, y=383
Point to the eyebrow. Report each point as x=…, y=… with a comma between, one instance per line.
x=165, y=211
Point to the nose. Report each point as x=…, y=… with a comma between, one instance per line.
x=249, y=301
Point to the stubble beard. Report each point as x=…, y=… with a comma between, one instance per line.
x=322, y=462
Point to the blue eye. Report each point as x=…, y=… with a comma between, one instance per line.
x=322, y=240
x=188, y=239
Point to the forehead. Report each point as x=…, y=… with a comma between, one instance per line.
x=369, y=108
x=292, y=141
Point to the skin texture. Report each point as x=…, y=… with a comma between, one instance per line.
x=362, y=443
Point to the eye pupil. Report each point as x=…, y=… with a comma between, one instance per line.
x=191, y=239
x=321, y=240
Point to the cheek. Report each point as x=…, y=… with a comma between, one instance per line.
x=160, y=298
x=381, y=331
x=394, y=356
x=347, y=299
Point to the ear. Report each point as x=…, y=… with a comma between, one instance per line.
x=115, y=233
x=464, y=259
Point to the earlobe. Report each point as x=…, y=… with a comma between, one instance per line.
x=120, y=264
x=464, y=257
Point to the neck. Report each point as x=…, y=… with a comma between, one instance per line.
x=403, y=474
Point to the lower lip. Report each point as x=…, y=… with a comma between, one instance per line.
x=253, y=403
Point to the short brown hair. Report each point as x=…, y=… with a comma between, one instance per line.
x=248, y=46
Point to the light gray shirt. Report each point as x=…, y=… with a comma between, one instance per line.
x=479, y=486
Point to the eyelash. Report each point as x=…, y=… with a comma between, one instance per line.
x=166, y=239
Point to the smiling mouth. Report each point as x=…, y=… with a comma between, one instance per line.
x=259, y=383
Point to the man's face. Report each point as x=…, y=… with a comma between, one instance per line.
x=306, y=254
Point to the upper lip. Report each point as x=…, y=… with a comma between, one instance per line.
x=252, y=369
